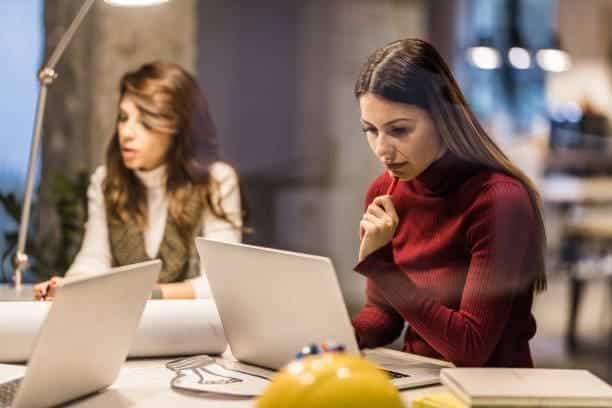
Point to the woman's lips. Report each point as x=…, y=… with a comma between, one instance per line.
x=128, y=153
x=395, y=166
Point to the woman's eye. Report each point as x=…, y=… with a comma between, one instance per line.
x=399, y=131
x=368, y=130
x=122, y=117
x=146, y=125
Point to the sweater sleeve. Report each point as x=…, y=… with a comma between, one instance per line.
x=377, y=323
x=94, y=256
x=500, y=228
x=217, y=228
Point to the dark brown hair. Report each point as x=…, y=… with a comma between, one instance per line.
x=169, y=100
x=411, y=71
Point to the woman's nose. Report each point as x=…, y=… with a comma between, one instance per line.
x=126, y=130
x=384, y=147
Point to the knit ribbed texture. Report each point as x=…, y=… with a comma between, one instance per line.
x=459, y=270
x=127, y=245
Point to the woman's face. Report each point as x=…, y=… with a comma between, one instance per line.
x=403, y=137
x=142, y=148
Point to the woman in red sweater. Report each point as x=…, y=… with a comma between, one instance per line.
x=455, y=248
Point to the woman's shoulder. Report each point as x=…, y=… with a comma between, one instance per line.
x=222, y=172
x=501, y=191
x=500, y=184
x=98, y=175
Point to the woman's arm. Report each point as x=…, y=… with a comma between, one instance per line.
x=218, y=228
x=377, y=323
x=502, y=229
x=94, y=256
x=228, y=197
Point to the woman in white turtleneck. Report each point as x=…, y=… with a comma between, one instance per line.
x=162, y=186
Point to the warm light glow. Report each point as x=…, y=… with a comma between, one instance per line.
x=484, y=57
x=135, y=3
x=519, y=58
x=553, y=60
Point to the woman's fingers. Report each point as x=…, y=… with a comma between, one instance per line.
x=40, y=290
x=54, y=284
x=379, y=222
x=46, y=290
x=379, y=214
x=366, y=226
x=376, y=210
x=384, y=202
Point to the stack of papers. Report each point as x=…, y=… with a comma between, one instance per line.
x=527, y=387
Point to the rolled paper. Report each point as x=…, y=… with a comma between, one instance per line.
x=166, y=328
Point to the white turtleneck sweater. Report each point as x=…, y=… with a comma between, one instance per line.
x=95, y=254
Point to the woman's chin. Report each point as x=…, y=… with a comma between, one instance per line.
x=131, y=164
x=402, y=176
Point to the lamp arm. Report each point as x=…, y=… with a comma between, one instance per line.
x=67, y=37
x=45, y=77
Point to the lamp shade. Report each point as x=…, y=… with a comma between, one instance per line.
x=135, y=3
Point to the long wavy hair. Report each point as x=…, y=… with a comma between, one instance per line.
x=169, y=100
x=411, y=71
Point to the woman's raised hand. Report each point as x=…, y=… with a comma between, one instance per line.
x=377, y=225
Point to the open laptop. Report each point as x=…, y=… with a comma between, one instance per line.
x=84, y=339
x=272, y=303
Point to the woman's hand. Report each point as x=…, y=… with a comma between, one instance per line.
x=377, y=225
x=46, y=290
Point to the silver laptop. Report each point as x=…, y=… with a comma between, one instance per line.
x=84, y=339
x=272, y=303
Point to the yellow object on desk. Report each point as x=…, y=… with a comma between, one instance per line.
x=330, y=380
x=438, y=400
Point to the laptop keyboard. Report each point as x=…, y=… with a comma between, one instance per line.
x=394, y=374
x=8, y=390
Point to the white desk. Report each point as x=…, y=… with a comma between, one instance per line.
x=9, y=293
x=146, y=383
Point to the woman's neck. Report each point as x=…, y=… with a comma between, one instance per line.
x=153, y=178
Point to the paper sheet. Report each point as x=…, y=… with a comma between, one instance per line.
x=167, y=328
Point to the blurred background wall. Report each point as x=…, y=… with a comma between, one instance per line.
x=287, y=117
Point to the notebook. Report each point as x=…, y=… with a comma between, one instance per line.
x=438, y=400
x=533, y=387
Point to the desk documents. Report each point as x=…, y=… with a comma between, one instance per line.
x=521, y=387
x=167, y=328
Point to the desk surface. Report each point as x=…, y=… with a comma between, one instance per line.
x=8, y=292
x=146, y=383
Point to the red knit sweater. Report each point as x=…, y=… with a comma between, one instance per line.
x=459, y=270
